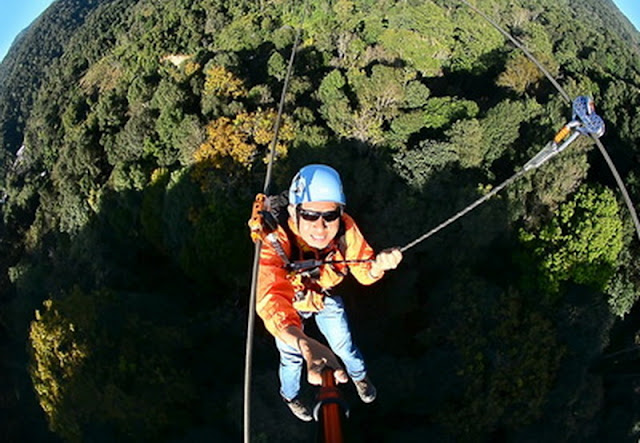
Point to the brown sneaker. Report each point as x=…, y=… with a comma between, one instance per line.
x=299, y=409
x=366, y=390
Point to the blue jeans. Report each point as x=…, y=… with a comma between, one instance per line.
x=332, y=322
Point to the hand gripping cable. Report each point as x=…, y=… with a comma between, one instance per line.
x=263, y=226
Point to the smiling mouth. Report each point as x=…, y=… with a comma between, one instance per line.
x=319, y=242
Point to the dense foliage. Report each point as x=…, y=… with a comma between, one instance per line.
x=133, y=138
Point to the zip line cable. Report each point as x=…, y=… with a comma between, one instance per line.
x=256, y=254
x=585, y=121
x=563, y=93
x=276, y=130
x=466, y=210
x=520, y=46
x=623, y=189
x=621, y=352
x=248, y=360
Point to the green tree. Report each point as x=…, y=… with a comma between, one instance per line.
x=476, y=43
x=467, y=139
x=420, y=34
x=440, y=112
x=335, y=107
x=502, y=126
x=581, y=243
x=520, y=74
x=417, y=165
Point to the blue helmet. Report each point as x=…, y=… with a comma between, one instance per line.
x=315, y=183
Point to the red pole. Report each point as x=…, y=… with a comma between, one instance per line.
x=328, y=409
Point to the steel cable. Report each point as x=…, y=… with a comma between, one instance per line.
x=565, y=96
x=464, y=211
x=494, y=191
x=256, y=254
x=563, y=93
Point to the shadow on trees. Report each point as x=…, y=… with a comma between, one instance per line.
x=399, y=322
x=156, y=287
x=473, y=84
x=157, y=322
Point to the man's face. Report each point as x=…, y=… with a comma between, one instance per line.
x=319, y=233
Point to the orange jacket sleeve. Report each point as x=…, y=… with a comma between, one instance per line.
x=358, y=249
x=274, y=297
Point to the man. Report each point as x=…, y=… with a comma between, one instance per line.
x=318, y=229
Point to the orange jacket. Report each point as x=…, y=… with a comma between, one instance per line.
x=277, y=287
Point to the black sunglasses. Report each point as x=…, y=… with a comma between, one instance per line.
x=312, y=216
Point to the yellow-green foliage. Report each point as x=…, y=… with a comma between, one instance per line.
x=103, y=75
x=241, y=139
x=58, y=352
x=221, y=82
x=520, y=74
x=412, y=47
x=96, y=359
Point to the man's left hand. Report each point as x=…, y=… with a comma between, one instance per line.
x=386, y=260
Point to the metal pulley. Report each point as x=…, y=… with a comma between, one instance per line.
x=584, y=121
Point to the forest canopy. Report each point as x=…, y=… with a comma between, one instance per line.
x=133, y=139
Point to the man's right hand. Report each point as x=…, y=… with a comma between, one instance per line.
x=318, y=356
